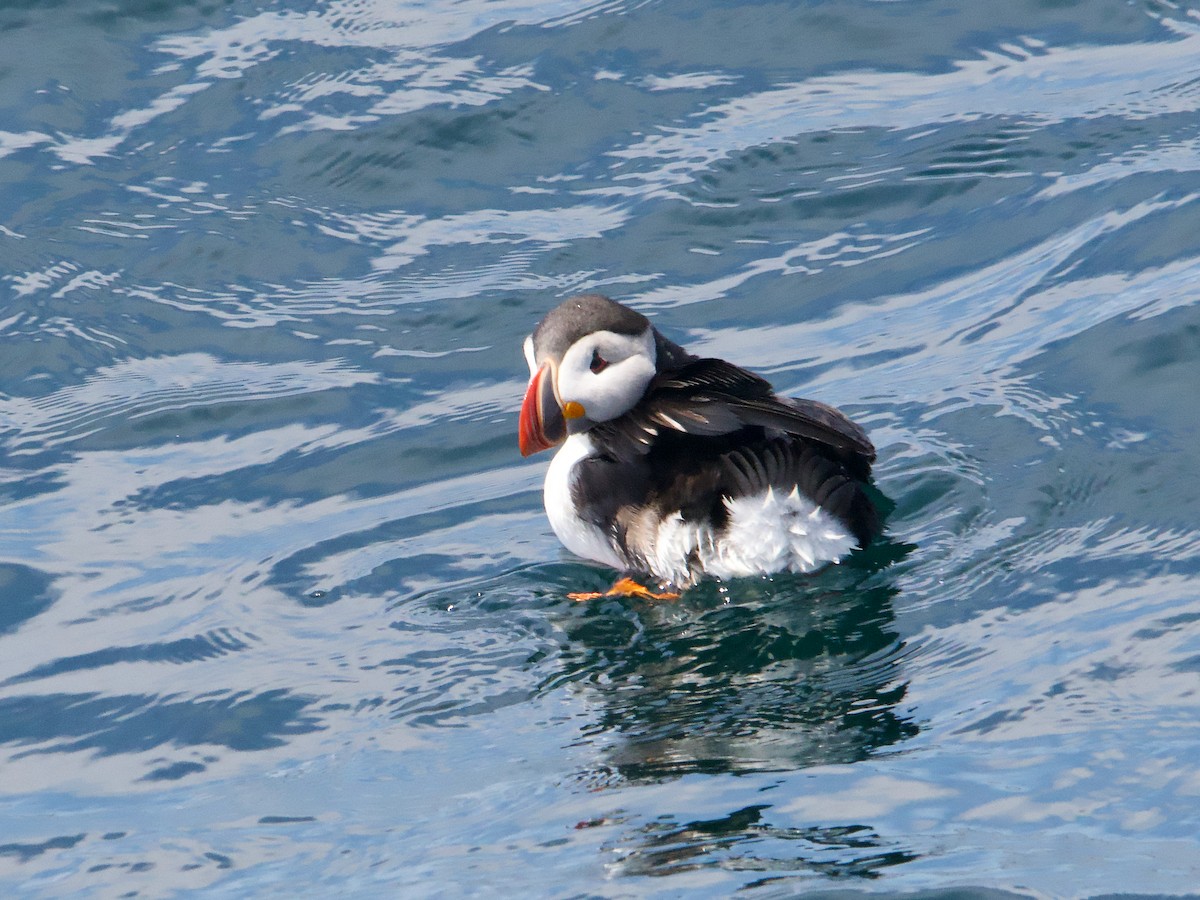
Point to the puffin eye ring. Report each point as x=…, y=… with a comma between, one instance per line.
x=598, y=364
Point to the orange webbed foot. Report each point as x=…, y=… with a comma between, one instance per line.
x=626, y=587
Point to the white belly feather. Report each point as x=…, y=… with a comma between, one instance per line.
x=766, y=533
x=774, y=531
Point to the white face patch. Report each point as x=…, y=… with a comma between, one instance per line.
x=626, y=365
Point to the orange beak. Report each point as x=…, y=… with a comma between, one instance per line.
x=542, y=424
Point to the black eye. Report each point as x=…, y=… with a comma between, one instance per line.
x=599, y=363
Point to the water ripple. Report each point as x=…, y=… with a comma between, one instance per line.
x=138, y=388
x=210, y=645
x=136, y=723
x=979, y=327
x=268, y=272
x=1042, y=86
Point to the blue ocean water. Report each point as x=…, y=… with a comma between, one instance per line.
x=280, y=612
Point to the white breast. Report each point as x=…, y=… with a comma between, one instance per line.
x=580, y=537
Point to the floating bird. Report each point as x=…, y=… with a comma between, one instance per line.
x=675, y=466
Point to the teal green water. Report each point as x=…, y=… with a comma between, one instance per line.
x=280, y=611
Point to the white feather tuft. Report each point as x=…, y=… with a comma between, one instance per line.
x=768, y=533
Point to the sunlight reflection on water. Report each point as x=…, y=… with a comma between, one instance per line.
x=279, y=602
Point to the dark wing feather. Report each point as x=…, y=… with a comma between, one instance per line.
x=692, y=477
x=714, y=397
x=783, y=462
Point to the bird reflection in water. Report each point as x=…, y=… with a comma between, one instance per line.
x=668, y=847
x=752, y=676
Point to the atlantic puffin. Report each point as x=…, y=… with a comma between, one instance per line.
x=674, y=467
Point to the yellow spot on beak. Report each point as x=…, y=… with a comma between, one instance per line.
x=572, y=410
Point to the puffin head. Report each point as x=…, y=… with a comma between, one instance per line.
x=590, y=360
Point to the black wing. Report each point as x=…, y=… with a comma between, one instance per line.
x=693, y=476
x=783, y=462
x=709, y=430
x=712, y=397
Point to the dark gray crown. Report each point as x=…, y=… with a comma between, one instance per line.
x=579, y=316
